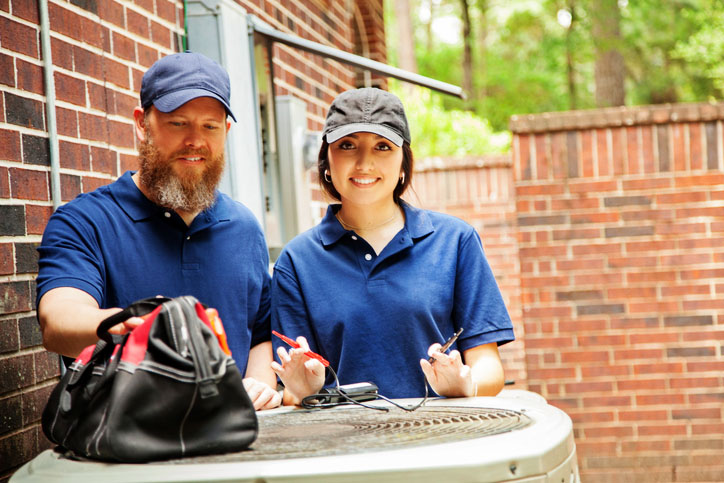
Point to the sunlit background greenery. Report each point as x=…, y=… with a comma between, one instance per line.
x=525, y=54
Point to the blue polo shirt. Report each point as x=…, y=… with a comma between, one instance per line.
x=374, y=317
x=120, y=247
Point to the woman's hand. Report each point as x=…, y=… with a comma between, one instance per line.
x=448, y=376
x=301, y=375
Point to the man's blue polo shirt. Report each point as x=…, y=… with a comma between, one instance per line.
x=374, y=317
x=120, y=247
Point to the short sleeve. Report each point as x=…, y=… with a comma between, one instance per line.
x=69, y=256
x=479, y=305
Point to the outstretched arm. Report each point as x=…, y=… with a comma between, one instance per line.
x=69, y=318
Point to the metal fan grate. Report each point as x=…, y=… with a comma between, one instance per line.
x=299, y=434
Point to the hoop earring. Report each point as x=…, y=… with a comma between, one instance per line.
x=402, y=178
x=327, y=178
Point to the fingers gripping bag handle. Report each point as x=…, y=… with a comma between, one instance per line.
x=136, y=309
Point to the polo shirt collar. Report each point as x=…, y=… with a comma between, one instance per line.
x=138, y=207
x=417, y=223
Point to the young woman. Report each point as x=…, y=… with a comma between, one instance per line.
x=378, y=284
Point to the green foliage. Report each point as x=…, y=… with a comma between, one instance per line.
x=524, y=58
x=437, y=131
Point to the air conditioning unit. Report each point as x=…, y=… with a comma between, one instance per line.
x=512, y=437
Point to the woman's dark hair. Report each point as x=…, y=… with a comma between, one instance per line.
x=328, y=187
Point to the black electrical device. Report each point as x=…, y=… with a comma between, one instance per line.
x=359, y=391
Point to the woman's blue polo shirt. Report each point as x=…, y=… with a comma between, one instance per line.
x=374, y=317
x=119, y=247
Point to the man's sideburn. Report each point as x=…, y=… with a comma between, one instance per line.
x=173, y=191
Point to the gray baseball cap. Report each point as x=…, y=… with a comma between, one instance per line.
x=367, y=110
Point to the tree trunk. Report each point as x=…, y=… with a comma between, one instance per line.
x=467, y=52
x=482, y=43
x=406, y=45
x=609, y=67
x=570, y=66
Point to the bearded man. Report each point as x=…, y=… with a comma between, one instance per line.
x=164, y=230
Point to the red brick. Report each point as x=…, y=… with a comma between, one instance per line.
x=7, y=259
x=697, y=413
x=667, y=429
x=632, y=150
x=121, y=134
x=639, y=384
x=659, y=368
x=89, y=183
x=4, y=183
x=638, y=354
x=74, y=156
x=28, y=184
x=645, y=446
x=695, y=146
x=647, y=150
x=93, y=127
x=618, y=141
x=16, y=297
x=69, y=186
x=659, y=399
x=137, y=24
x=87, y=62
x=97, y=98
x=70, y=89
x=586, y=387
x=646, y=184
x=146, y=55
x=541, y=157
x=644, y=415
x=607, y=371
x=123, y=47
x=37, y=217
x=588, y=187
x=608, y=431
x=93, y=33
x=524, y=160
x=701, y=180
x=113, y=12
x=103, y=160
x=67, y=122
x=128, y=163
x=678, y=133
x=30, y=77
x=10, y=146
x=165, y=9
x=117, y=74
x=25, y=39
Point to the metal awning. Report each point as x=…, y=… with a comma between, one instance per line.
x=267, y=30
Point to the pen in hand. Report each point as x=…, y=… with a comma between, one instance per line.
x=295, y=345
x=447, y=344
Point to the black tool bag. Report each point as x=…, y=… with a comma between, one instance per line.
x=165, y=390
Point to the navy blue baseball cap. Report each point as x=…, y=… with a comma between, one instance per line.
x=174, y=80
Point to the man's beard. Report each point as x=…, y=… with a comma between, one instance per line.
x=186, y=191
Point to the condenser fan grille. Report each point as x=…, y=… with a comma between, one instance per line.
x=300, y=434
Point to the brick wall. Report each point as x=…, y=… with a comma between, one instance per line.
x=100, y=51
x=620, y=216
x=480, y=191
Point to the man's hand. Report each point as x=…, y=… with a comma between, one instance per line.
x=261, y=394
x=301, y=375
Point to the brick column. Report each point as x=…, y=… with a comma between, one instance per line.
x=620, y=218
